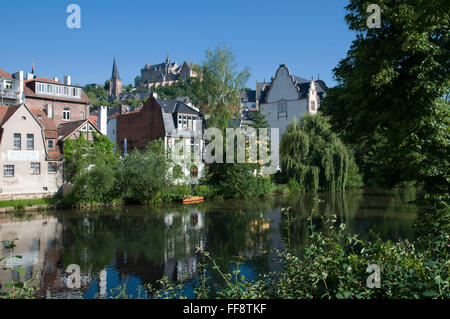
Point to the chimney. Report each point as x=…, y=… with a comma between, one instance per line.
x=56, y=79
x=67, y=80
x=124, y=109
x=102, y=119
x=30, y=76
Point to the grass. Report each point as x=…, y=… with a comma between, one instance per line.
x=28, y=202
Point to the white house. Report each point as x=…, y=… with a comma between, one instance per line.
x=287, y=97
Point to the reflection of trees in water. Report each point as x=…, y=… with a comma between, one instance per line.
x=96, y=240
x=390, y=215
x=151, y=244
x=237, y=228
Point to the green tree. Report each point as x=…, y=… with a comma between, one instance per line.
x=80, y=153
x=221, y=84
x=315, y=158
x=142, y=176
x=392, y=97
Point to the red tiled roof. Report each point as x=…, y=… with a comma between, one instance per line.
x=93, y=118
x=42, y=117
x=47, y=80
x=5, y=74
x=6, y=112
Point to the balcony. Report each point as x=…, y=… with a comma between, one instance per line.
x=9, y=94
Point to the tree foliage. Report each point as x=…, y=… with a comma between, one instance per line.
x=392, y=97
x=221, y=84
x=315, y=158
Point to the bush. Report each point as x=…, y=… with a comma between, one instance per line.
x=237, y=181
x=142, y=176
x=98, y=184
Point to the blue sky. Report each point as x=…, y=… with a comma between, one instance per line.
x=310, y=37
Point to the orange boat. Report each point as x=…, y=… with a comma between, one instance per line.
x=193, y=200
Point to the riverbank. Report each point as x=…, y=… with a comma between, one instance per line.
x=20, y=205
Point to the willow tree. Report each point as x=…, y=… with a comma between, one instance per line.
x=315, y=158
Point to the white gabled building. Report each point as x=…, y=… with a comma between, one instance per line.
x=287, y=97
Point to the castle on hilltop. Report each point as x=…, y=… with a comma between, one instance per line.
x=167, y=73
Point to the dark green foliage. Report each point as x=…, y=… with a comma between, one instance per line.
x=142, y=176
x=97, y=184
x=392, y=96
x=314, y=157
x=236, y=180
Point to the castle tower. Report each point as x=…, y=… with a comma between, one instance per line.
x=115, y=86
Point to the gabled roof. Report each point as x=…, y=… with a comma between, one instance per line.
x=6, y=112
x=67, y=129
x=5, y=74
x=49, y=126
x=176, y=106
x=302, y=86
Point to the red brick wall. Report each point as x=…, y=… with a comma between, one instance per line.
x=58, y=106
x=141, y=127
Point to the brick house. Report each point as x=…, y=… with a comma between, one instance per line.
x=30, y=159
x=167, y=120
x=62, y=102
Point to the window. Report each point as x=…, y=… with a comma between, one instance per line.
x=66, y=91
x=66, y=114
x=313, y=105
x=8, y=170
x=51, y=144
x=49, y=88
x=35, y=168
x=30, y=141
x=82, y=115
x=52, y=167
x=8, y=85
x=74, y=92
x=17, y=141
x=282, y=109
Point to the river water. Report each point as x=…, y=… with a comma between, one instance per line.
x=133, y=246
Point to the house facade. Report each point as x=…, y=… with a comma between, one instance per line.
x=11, y=88
x=31, y=161
x=287, y=97
x=62, y=102
x=168, y=120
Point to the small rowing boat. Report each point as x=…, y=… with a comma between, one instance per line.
x=193, y=200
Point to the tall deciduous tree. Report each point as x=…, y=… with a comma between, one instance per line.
x=221, y=83
x=392, y=94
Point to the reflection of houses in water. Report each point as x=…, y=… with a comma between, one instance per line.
x=184, y=236
x=38, y=244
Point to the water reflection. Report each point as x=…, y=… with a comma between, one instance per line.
x=135, y=246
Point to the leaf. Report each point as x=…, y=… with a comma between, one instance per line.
x=430, y=293
x=21, y=271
